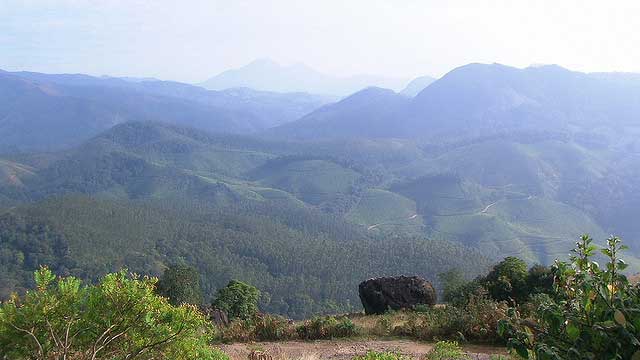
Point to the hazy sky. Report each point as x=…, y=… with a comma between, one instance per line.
x=193, y=40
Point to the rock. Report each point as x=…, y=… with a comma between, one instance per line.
x=401, y=292
x=217, y=316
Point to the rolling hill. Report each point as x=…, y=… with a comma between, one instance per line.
x=502, y=196
x=488, y=161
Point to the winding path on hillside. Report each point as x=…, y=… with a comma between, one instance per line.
x=390, y=222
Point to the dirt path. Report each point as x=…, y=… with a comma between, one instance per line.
x=389, y=221
x=345, y=349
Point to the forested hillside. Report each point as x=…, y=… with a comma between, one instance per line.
x=308, y=209
x=303, y=261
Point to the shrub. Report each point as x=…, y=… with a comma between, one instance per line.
x=374, y=355
x=508, y=280
x=594, y=312
x=539, y=280
x=326, y=328
x=446, y=350
x=451, y=282
x=345, y=328
x=477, y=320
x=238, y=299
x=459, y=296
x=119, y=318
x=272, y=328
x=181, y=285
x=237, y=331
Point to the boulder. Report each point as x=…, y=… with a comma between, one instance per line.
x=400, y=292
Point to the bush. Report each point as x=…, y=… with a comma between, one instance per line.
x=446, y=350
x=272, y=328
x=181, y=285
x=119, y=318
x=477, y=320
x=326, y=328
x=374, y=355
x=508, y=280
x=593, y=313
x=239, y=300
x=237, y=331
x=451, y=281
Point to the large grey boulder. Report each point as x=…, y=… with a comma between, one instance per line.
x=400, y=292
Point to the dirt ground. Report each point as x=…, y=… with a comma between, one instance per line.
x=345, y=349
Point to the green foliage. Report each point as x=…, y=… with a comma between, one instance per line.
x=451, y=283
x=539, y=280
x=238, y=299
x=181, y=285
x=262, y=327
x=302, y=259
x=375, y=355
x=119, y=318
x=446, y=350
x=594, y=313
x=508, y=280
x=476, y=321
x=326, y=328
x=272, y=328
x=265, y=327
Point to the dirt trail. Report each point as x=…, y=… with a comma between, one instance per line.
x=345, y=349
x=388, y=222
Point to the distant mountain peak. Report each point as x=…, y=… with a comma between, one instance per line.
x=268, y=75
x=416, y=85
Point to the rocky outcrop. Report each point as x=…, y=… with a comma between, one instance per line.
x=400, y=292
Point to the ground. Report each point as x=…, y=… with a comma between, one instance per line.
x=345, y=349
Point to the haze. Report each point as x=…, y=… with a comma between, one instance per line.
x=193, y=40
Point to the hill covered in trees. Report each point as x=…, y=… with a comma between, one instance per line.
x=347, y=189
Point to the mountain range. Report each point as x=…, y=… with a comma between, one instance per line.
x=488, y=161
x=51, y=112
x=265, y=74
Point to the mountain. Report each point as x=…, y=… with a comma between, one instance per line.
x=501, y=195
x=49, y=112
x=417, y=85
x=487, y=162
x=566, y=139
x=361, y=115
x=147, y=195
x=489, y=99
x=493, y=98
x=267, y=75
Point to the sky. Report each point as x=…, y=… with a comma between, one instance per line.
x=191, y=41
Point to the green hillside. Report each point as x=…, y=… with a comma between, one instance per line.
x=385, y=211
x=313, y=181
x=146, y=195
x=305, y=262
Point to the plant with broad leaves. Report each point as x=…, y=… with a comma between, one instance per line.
x=594, y=312
x=119, y=318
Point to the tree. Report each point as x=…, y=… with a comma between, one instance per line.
x=508, y=280
x=593, y=312
x=451, y=281
x=539, y=280
x=181, y=284
x=238, y=299
x=119, y=318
